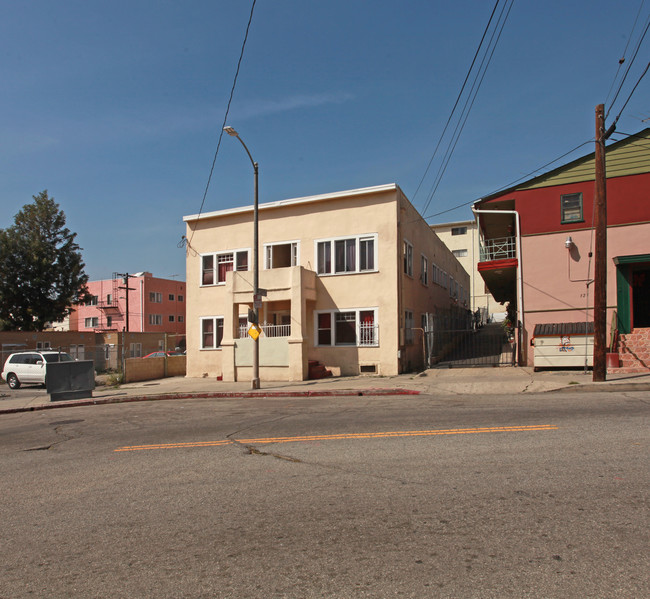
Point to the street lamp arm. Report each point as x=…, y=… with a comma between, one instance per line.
x=230, y=131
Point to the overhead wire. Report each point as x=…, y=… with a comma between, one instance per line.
x=184, y=240
x=512, y=183
x=460, y=93
x=469, y=103
x=629, y=67
x=622, y=59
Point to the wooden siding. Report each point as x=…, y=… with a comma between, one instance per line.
x=628, y=157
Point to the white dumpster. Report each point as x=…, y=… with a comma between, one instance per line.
x=564, y=345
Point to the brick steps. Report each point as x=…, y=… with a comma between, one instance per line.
x=318, y=371
x=634, y=353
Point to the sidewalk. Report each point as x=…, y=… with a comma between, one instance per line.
x=455, y=381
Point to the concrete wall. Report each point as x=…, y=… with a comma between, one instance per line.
x=147, y=369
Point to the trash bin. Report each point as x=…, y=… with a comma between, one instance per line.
x=563, y=345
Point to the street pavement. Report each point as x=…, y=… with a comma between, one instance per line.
x=442, y=381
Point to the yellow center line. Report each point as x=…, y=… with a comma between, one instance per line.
x=345, y=436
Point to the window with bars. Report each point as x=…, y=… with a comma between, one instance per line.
x=348, y=327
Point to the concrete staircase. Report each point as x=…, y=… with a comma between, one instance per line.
x=633, y=352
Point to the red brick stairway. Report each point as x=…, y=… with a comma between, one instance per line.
x=633, y=352
x=318, y=371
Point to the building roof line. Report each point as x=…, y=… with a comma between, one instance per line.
x=295, y=201
x=631, y=139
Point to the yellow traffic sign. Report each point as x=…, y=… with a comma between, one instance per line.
x=254, y=332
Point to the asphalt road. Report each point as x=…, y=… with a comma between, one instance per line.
x=487, y=497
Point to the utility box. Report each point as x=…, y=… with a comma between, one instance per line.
x=564, y=345
x=70, y=380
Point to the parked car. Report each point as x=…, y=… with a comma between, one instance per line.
x=161, y=354
x=29, y=366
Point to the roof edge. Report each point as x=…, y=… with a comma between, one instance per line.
x=295, y=201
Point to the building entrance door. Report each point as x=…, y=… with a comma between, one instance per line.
x=641, y=297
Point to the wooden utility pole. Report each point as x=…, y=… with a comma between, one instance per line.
x=600, y=260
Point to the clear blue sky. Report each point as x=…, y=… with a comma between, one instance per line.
x=116, y=107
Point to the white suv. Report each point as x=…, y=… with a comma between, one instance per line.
x=29, y=366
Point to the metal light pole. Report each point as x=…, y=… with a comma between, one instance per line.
x=256, y=272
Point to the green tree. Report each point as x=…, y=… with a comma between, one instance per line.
x=41, y=269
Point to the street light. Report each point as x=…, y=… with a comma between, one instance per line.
x=256, y=272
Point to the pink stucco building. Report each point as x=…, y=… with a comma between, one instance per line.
x=154, y=305
x=537, y=253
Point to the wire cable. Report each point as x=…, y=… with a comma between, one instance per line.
x=451, y=114
x=469, y=103
x=225, y=118
x=511, y=184
x=622, y=59
x=629, y=66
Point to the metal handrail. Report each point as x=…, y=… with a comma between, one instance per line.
x=498, y=249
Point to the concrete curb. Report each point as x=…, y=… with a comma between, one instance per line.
x=210, y=395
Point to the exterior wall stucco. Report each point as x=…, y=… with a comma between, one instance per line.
x=380, y=212
x=563, y=296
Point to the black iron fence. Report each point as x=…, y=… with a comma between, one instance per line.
x=486, y=346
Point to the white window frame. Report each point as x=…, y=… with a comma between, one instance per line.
x=460, y=253
x=359, y=334
x=92, y=322
x=408, y=258
x=216, y=344
x=268, y=253
x=459, y=231
x=330, y=242
x=215, y=265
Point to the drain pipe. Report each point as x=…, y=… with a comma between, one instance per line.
x=520, y=285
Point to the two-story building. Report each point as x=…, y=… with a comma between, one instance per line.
x=537, y=245
x=350, y=281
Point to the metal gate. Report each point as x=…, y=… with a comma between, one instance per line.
x=484, y=347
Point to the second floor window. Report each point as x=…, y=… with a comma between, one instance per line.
x=459, y=253
x=92, y=322
x=155, y=319
x=571, y=205
x=408, y=259
x=215, y=266
x=346, y=255
x=424, y=276
x=155, y=297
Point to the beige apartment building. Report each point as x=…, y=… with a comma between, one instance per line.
x=462, y=239
x=350, y=280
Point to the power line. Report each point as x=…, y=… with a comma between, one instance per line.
x=460, y=93
x=469, y=103
x=512, y=183
x=622, y=59
x=629, y=66
x=225, y=118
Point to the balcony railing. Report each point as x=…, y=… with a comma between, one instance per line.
x=498, y=249
x=270, y=330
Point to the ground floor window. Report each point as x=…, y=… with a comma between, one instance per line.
x=356, y=327
x=211, y=332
